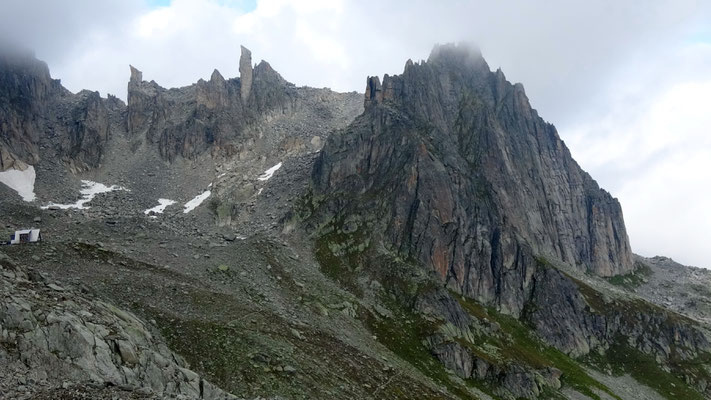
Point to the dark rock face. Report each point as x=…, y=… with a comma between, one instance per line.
x=26, y=91
x=207, y=115
x=34, y=107
x=39, y=118
x=245, y=72
x=470, y=181
x=576, y=319
x=88, y=128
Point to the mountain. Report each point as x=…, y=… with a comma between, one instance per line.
x=39, y=116
x=473, y=181
x=432, y=238
x=450, y=169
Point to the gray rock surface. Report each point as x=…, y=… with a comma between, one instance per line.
x=40, y=118
x=470, y=181
x=50, y=335
x=245, y=73
x=674, y=286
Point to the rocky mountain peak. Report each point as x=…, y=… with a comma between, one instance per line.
x=216, y=76
x=373, y=91
x=450, y=174
x=476, y=182
x=245, y=73
x=136, y=75
x=461, y=55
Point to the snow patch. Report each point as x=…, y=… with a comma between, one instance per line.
x=162, y=204
x=23, y=182
x=268, y=173
x=89, y=190
x=221, y=175
x=192, y=204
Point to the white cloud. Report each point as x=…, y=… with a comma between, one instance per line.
x=654, y=153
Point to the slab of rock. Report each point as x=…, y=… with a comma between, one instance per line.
x=79, y=340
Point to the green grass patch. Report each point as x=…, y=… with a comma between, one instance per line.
x=404, y=336
x=519, y=344
x=621, y=359
x=634, y=279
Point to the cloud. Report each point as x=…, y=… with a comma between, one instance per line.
x=652, y=149
x=619, y=80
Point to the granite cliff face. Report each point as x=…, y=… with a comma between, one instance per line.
x=210, y=114
x=450, y=168
x=471, y=181
x=38, y=116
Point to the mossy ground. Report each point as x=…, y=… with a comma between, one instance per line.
x=633, y=279
x=623, y=359
x=518, y=343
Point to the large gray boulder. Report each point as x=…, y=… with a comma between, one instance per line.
x=53, y=336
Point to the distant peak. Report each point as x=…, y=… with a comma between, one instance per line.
x=136, y=75
x=245, y=57
x=216, y=76
x=461, y=53
x=373, y=91
x=245, y=72
x=469, y=49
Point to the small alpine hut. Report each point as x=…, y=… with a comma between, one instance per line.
x=26, y=236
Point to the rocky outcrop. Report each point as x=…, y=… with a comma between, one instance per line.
x=450, y=346
x=245, y=73
x=577, y=319
x=470, y=181
x=51, y=336
x=40, y=118
x=218, y=115
x=567, y=315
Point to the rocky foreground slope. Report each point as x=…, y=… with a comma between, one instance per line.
x=432, y=240
x=55, y=336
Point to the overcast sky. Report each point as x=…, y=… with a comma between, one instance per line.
x=627, y=83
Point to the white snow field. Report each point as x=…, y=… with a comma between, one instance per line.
x=192, y=204
x=162, y=204
x=23, y=182
x=268, y=173
x=89, y=190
